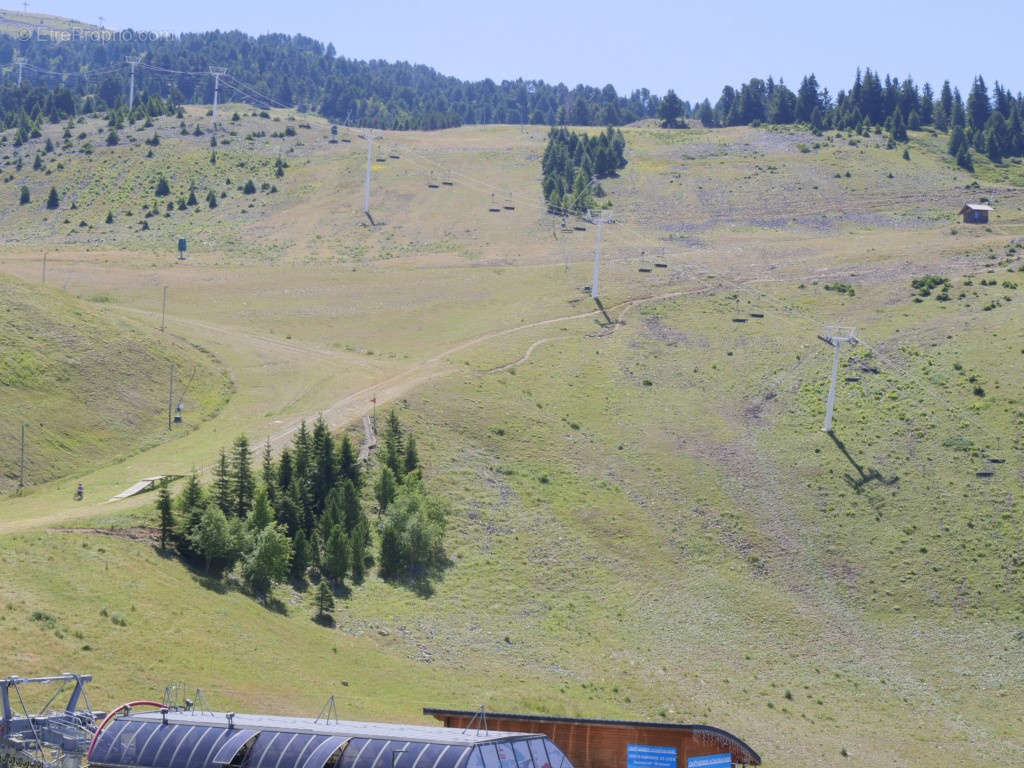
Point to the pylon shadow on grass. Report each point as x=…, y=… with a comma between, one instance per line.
x=607, y=320
x=864, y=477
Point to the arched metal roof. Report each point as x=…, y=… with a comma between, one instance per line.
x=206, y=740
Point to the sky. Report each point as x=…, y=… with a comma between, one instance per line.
x=692, y=48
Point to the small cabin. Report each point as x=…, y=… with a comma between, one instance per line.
x=975, y=213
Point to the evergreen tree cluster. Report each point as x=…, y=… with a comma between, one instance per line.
x=572, y=161
x=412, y=532
x=27, y=108
x=295, y=70
x=302, y=514
x=991, y=124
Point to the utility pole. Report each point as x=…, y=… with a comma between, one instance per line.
x=131, y=88
x=163, y=312
x=170, y=399
x=20, y=61
x=21, y=480
x=216, y=72
x=597, y=258
x=834, y=336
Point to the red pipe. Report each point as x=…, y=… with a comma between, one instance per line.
x=114, y=713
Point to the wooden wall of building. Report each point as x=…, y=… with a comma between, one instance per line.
x=596, y=744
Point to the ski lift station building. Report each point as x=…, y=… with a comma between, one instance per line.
x=174, y=738
x=197, y=739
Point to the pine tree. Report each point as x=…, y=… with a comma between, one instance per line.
x=211, y=199
x=670, y=110
x=958, y=117
x=261, y=515
x=211, y=538
x=351, y=512
x=978, y=106
x=334, y=514
x=963, y=158
x=391, y=556
x=288, y=510
x=348, y=462
x=301, y=555
x=412, y=459
x=324, y=464
x=384, y=490
x=190, y=507
x=268, y=473
x=163, y=507
x=222, y=484
x=25, y=197
x=268, y=562
x=705, y=114
x=163, y=189
x=359, y=540
x=301, y=452
x=52, y=201
x=284, y=470
x=957, y=141
x=993, y=149
x=324, y=602
x=243, y=485
x=336, y=555
x=898, y=128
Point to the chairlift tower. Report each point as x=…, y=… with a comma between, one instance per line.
x=834, y=336
x=369, y=161
x=132, y=62
x=217, y=72
x=20, y=61
x=597, y=256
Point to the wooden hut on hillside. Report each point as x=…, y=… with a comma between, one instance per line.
x=975, y=213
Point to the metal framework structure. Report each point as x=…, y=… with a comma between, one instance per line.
x=132, y=62
x=598, y=220
x=217, y=72
x=52, y=737
x=834, y=336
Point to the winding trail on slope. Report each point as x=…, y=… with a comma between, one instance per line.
x=355, y=404
x=525, y=356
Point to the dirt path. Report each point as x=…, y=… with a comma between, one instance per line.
x=356, y=404
x=525, y=357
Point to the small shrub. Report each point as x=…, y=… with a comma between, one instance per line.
x=843, y=288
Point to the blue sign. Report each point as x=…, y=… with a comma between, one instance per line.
x=644, y=756
x=182, y=244
x=710, y=761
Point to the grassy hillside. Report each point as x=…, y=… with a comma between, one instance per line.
x=647, y=520
x=90, y=386
x=43, y=25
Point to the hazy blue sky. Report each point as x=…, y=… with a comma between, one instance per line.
x=694, y=48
